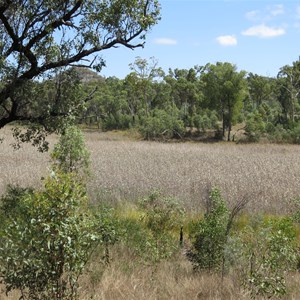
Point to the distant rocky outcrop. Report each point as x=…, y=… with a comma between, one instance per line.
x=86, y=75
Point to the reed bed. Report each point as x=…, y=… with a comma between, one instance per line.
x=122, y=169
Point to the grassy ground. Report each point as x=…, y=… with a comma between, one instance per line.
x=174, y=279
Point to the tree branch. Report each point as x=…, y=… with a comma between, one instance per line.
x=55, y=24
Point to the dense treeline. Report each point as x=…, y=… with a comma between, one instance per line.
x=204, y=101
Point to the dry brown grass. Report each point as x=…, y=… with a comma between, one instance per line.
x=124, y=169
x=267, y=174
x=124, y=279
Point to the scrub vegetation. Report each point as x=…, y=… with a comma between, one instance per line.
x=165, y=220
x=207, y=214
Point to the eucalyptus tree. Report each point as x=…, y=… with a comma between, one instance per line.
x=133, y=95
x=224, y=90
x=144, y=72
x=289, y=80
x=185, y=91
x=38, y=37
x=260, y=89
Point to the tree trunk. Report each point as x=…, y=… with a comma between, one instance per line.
x=229, y=131
x=223, y=125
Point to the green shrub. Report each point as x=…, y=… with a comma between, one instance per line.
x=255, y=126
x=108, y=228
x=279, y=135
x=267, y=253
x=47, y=240
x=138, y=240
x=206, y=120
x=154, y=234
x=70, y=153
x=162, y=216
x=162, y=124
x=202, y=122
x=210, y=235
x=295, y=134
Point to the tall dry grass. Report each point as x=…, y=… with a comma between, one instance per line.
x=125, y=279
x=122, y=169
x=174, y=279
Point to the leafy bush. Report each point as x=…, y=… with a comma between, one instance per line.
x=287, y=134
x=107, y=228
x=162, y=215
x=162, y=124
x=151, y=234
x=295, y=134
x=47, y=240
x=138, y=240
x=202, y=122
x=279, y=135
x=70, y=153
x=210, y=235
x=267, y=253
x=255, y=126
x=206, y=120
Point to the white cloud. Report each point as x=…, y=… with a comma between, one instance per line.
x=268, y=13
x=276, y=10
x=263, y=31
x=165, y=41
x=227, y=40
x=253, y=15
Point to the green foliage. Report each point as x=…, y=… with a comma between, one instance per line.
x=10, y=203
x=47, y=239
x=161, y=216
x=295, y=134
x=108, y=228
x=205, y=120
x=255, y=126
x=202, y=122
x=267, y=253
x=210, y=235
x=138, y=239
x=284, y=134
x=162, y=124
x=151, y=235
x=52, y=35
x=289, y=82
x=70, y=153
x=224, y=90
x=295, y=209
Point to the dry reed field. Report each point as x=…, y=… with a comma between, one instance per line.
x=123, y=169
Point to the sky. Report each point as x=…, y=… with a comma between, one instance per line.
x=258, y=36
